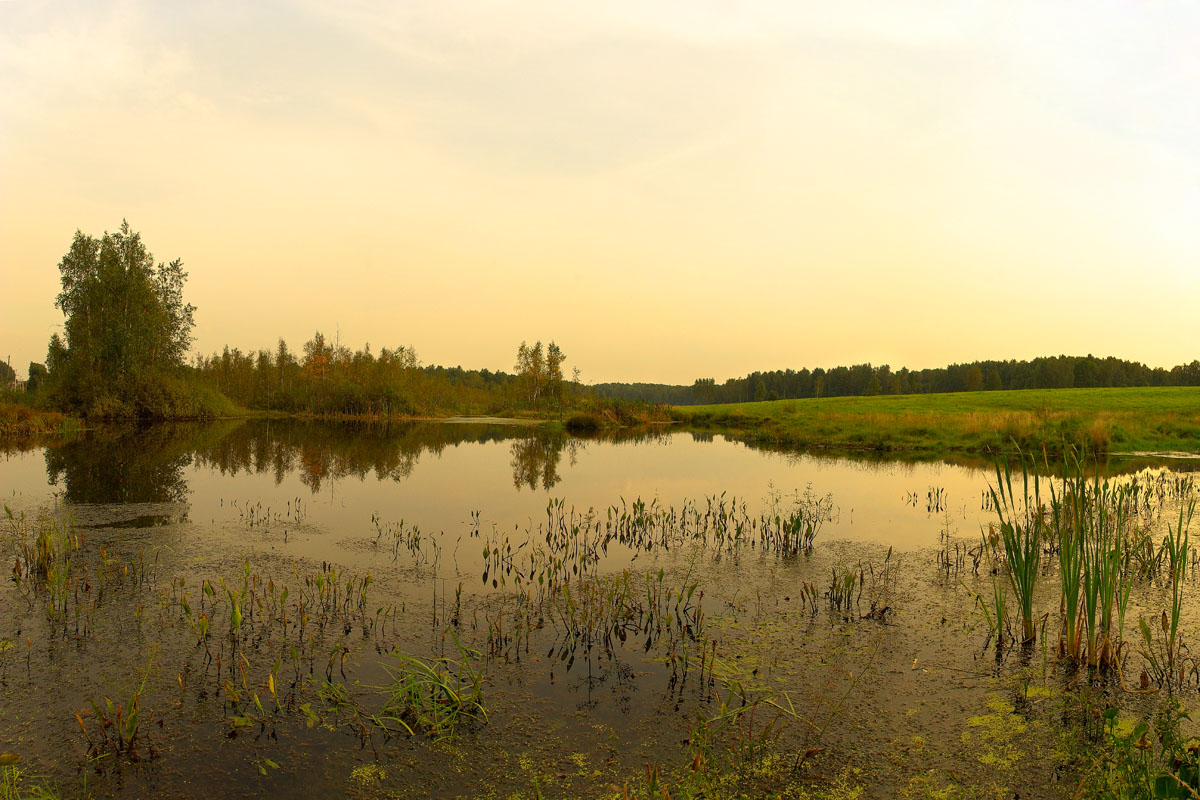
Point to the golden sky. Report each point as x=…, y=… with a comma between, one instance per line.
x=668, y=189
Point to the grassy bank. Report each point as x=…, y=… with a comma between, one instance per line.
x=1103, y=420
x=17, y=420
x=584, y=414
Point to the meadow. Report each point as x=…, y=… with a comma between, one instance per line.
x=1123, y=420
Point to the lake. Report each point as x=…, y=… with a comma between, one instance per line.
x=605, y=599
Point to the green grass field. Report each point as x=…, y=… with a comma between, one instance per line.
x=1101, y=420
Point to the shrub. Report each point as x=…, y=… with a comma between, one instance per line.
x=583, y=421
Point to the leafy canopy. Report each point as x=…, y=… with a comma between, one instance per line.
x=126, y=320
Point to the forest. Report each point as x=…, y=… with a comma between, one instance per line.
x=1051, y=372
x=327, y=378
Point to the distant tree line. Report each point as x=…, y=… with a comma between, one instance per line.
x=327, y=378
x=1051, y=372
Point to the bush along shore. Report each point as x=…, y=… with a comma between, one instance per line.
x=19, y=421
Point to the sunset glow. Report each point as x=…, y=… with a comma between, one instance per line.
x=669, y=190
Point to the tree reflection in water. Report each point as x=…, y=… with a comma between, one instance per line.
x=536, y=456
x=128, y=463
x=146, y=464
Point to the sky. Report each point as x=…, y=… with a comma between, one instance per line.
x=668, y=189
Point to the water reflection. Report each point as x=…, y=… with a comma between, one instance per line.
x=535, y=459
x=146, y=464
x=436, y=473
x=117, y=464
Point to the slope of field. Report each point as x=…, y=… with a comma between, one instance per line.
x=1101, y=420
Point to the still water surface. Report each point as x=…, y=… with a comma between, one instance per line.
x=434, y=475
x=286, y=499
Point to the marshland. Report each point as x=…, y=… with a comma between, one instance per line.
x=257, y=607
x=637, y=400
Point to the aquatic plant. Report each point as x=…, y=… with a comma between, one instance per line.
x=433, y=696
x=1091, y=521
x=1105, y=591
x=1066, y=511
x=117, y=724
x=1150, y=759
x=1022, y=531
x=841, y=594
x=996, y=614
x=14, y=783
x=1164, y=657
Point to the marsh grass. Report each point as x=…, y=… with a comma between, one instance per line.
x=1098, y=530
x=17, y=420
x=433, y=696
x=15, y=785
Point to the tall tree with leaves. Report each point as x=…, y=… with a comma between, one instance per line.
x=318, y=357
x=37, y=377
x=127, y=325
x=531, y=371
x=555, y=382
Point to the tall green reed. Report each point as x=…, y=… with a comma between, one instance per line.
x=1066, y=514
x=1091, y=519
x=1022, y=531
x=1088, y=525
x=1105, y=586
